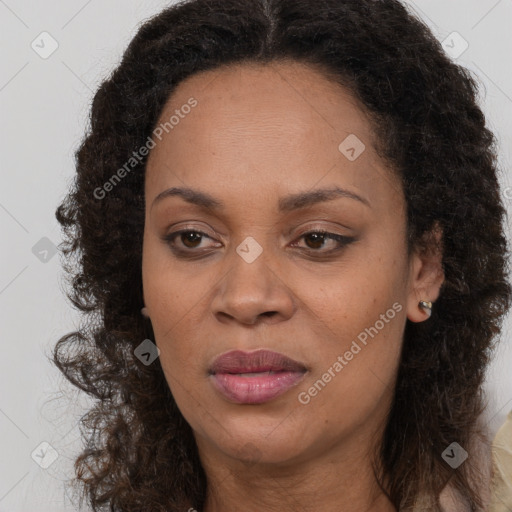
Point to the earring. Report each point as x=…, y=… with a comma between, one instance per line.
x=144, y=312
x=427, y=306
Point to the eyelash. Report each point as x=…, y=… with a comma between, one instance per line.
x=343, y=241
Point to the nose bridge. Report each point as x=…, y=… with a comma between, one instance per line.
x=251, y=285
x=251, y=270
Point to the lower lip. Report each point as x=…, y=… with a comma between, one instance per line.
x=256, y=389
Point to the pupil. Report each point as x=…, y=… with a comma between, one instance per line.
x=191, y=237
x=318, y=239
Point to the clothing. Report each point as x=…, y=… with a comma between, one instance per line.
x=501, y=485
x=496, y=465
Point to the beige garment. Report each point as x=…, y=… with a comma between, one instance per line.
x=496, y=492
x=496, y=484
x=501, y=485
x=480, y=453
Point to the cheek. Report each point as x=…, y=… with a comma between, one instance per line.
x=359, y=316
x=171, y=300
x=355, y=359
x=173, y=289
x=351, y=297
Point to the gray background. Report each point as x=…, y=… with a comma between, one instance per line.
x=44, y=106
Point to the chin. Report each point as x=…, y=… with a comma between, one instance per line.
x=261, y=442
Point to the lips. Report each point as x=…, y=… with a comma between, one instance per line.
x=254, y=377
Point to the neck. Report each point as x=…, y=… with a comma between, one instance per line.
x=338, y=480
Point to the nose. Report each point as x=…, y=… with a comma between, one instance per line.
x=253, y=292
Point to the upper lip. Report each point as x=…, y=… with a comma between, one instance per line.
x=238, y=361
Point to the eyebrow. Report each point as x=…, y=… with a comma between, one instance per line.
x=286, y=204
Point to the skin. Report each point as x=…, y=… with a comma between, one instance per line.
x=258, y=134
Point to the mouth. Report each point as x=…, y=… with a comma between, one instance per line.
x=254, y=377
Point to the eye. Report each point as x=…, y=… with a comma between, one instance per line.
x=319, y=237
x=190, y=240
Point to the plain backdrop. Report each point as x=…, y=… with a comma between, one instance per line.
x=45, y=101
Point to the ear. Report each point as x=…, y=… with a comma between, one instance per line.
x=426, y=274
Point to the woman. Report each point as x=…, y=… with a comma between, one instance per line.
x=291, y=248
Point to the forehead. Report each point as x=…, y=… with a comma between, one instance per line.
x=276, y=124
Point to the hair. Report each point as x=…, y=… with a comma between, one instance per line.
x=140, y=453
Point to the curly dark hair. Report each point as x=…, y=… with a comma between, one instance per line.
x=140, y=453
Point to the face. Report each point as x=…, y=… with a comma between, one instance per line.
x=283, y=232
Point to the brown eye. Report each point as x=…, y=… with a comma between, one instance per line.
x=189, y=240
x=317, y=240
x=190, y=237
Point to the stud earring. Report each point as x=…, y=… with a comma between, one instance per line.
x=426, y=306
x=144, y=312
